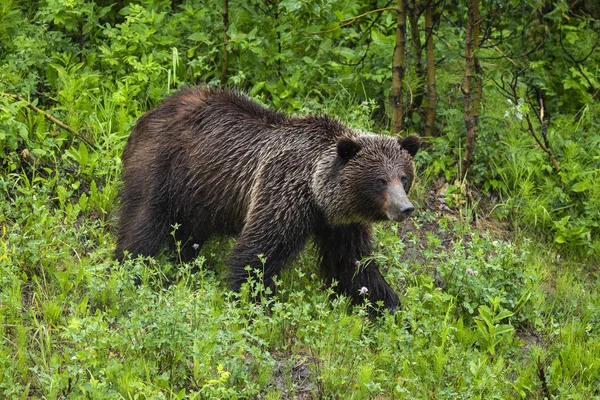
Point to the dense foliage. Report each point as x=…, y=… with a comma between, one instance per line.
x=498, y=271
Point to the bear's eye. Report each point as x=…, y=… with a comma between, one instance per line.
x=404, y=181
x=381, y=182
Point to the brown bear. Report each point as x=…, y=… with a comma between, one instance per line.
x=215, y=162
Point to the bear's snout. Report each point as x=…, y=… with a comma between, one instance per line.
x=398, y=207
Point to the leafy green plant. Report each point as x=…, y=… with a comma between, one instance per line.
x=74, y=323
x=490, y=329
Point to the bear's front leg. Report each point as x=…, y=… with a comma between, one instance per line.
x=342, y=250
x=275, y=243
x=279, y=222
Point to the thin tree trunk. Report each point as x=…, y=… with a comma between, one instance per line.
x=430, y=62
x=413, y=17
x=225, y=42
x=466, y=89
x=477, y=66
x=398, y=68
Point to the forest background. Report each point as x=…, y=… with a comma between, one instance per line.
x=498, y=270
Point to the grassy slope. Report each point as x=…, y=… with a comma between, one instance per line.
x=74, y=323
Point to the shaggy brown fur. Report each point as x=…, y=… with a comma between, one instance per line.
x=216, y=162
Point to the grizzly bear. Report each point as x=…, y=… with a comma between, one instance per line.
x=215, y=162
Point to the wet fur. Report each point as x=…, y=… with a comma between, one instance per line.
x=217, y=163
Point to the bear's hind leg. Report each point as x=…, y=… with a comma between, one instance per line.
x=142, y=231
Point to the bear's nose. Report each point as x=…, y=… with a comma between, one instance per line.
x=407, y=210
x=398, y=207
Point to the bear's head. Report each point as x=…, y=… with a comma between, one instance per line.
x=369, y=179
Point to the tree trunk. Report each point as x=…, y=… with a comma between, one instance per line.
x=467, y=89
x=398, y=68
x=430, y=62
x=225, y=42
x=477, y=66
x=413, y=16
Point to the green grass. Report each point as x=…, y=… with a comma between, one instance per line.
x=497, y=274
x=489, y=310
x=74, y=324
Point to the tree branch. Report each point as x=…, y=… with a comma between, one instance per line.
x=50, y=118
x=545, y=144
x=579, y=62
x=348, y=21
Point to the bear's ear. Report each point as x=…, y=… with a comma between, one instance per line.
x=411, y=143
x=347, y=149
